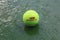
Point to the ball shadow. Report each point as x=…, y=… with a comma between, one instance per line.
x=32, y=30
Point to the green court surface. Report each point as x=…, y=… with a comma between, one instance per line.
x=12, y=27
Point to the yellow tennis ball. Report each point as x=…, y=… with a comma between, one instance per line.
x=31, y=18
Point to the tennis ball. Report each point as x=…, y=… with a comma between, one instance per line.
x=31, y=18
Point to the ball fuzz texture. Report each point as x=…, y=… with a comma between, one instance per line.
x=30, y=18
